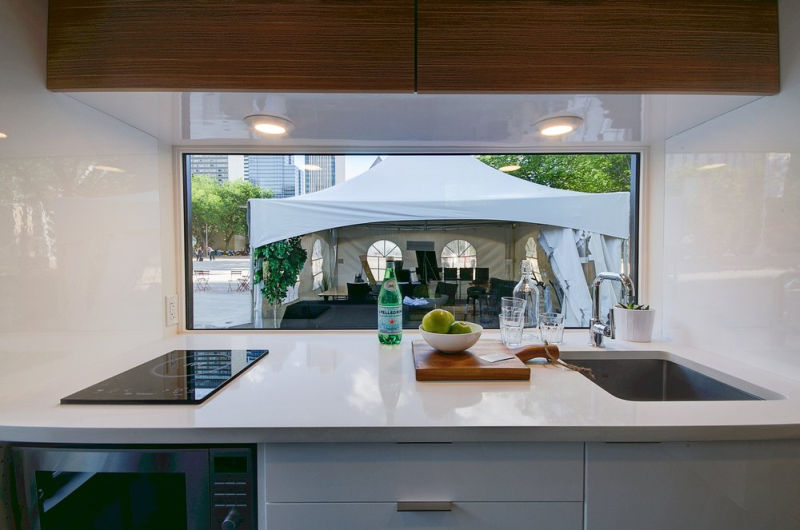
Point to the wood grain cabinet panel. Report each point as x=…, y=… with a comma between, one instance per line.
x=709, y=46
x=280, y=45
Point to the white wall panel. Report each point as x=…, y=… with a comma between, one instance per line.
x=86, y=205
x=732, y=225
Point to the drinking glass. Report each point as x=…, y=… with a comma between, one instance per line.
x=510, y=302
x=551, y=327
x=511, y=323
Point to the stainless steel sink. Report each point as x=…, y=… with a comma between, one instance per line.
x=654, y=379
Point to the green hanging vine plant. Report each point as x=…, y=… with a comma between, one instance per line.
x=276, y=267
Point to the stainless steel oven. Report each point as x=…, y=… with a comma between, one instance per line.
x=135, y=488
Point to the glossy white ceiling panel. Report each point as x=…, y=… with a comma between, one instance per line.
x=397, y=121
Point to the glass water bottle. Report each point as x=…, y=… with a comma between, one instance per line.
x=528, y=290
x=390, y=309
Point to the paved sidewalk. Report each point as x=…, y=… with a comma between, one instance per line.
x=221, y=305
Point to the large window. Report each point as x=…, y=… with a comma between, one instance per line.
x=459, y=254
x=570, y=215
x=377, y=255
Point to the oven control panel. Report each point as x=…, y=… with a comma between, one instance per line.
x=232, y=489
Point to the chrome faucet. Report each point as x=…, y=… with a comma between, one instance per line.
x=598, y=329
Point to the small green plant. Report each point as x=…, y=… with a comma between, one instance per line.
x=634, y=306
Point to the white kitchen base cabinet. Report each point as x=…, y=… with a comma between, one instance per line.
x=482, y=485
x=463, y=516
x=693, y=486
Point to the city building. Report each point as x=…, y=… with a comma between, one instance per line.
x=274, y=172
x=212, y=165
x=321, y=172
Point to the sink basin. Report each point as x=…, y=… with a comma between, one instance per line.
x=652, y=379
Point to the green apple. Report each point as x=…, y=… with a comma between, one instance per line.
x=458, y=328
x=438, y=321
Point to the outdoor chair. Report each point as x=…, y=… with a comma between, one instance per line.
x=498, y=289
x=403, y=275
x=233, y=280
x=406, y=289
x=476, y=292
x=448, y=289
x=201, y=280
x=466, y=274
x=358, y=292
x=244, y=282
x=475, y=295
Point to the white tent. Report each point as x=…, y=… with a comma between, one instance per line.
x=430, y=187
x=441, y=188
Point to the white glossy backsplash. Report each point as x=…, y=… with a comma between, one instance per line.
x=86, y=206
x=732, y=225
x=93, y=250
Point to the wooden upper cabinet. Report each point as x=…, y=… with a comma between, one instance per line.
x=693, y=46
x=697, y=46
x=269, y=45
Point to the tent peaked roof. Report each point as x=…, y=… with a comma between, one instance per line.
x=435, y=187
x=434, y=177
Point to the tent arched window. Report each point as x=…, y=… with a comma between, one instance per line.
x=377, y=254
x=459, y=254
x=533, y=258
x=317, y=262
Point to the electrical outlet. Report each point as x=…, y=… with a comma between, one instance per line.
x=171, y=306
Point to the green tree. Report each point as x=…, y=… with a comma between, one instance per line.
x=592, y=173
x=235, y=195
x=206, y=208
x=219, y=210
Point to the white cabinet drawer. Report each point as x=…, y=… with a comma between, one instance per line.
x=464, y=516
x=414, y=472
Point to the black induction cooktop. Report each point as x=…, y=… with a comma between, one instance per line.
x=177, y=377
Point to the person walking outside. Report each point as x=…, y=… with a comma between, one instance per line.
x=210, y=252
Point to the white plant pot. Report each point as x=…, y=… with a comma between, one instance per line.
x=635, y=325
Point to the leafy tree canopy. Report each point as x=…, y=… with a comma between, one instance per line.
x=217, y=209
x=592, y=173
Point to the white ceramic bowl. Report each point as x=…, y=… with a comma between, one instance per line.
x=447, y=343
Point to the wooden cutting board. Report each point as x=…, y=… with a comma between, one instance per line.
x=433, y=365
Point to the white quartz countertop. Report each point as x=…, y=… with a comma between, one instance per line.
x=344, y=386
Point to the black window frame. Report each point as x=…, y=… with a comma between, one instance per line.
x=633, y=239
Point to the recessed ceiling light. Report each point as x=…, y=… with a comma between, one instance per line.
x=559, y=125
x=712, y=166
x=511, y=167
x=311, y=167
x=269, y=124
x=3, y=135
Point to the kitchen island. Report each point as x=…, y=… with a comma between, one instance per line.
x=347, y=436
x=346, y=387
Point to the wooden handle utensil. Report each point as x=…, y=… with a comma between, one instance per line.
x=548, y=351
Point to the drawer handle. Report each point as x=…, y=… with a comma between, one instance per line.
x=424, y=506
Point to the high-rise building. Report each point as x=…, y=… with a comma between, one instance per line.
x=274, y=172
x=209, y=165
x=320, y=172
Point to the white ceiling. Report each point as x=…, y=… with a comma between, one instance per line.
x=364, y=120
x=396, y=122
